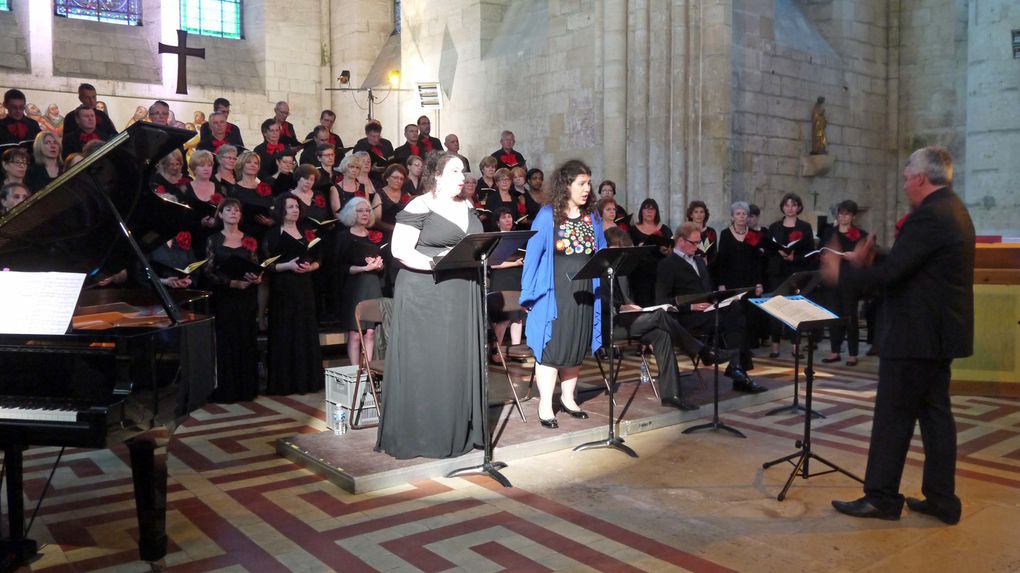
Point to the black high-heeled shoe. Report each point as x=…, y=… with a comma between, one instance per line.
x=579, y=414
x=552, y=424
x=830, y=360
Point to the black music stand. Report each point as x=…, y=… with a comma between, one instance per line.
x=606, y=265
x=477, y=251
x=804, y=454
x=802, y=283
x=714, y=297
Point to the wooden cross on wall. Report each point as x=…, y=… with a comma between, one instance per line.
x=183, y=51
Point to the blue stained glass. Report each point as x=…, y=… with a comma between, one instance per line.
x=220, y=18
x=128, y=12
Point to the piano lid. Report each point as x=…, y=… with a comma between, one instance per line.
x=70, y=226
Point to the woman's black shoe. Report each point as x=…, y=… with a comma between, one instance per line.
x=580, y=414
x=551, y=424
x=830, y=360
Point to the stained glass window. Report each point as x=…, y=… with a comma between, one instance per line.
x=220, y=18
x=5, y=5
x=396, y=16
x=127, y=12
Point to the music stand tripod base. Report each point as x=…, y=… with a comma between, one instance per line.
x=488, y=468
x=606, y=264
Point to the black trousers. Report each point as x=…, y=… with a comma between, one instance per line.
x=732, y=331
x=662, y=332
x=911, y=391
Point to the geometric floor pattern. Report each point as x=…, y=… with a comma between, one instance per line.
x=235, y=506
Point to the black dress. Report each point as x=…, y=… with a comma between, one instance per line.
x=351, y=252
x=433, y=360
x=236, y=330
x=737, y=264
x=642, y=280
x=575, y=300
x=295, y=359
x=258, y=200
x=494, y=201
x=389, y=215
x=199, y=210
x=325, y=281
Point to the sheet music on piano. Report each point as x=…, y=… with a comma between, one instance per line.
x=38, y=303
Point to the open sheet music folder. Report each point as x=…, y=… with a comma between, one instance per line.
x=794, y=311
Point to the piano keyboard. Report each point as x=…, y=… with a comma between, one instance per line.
x=17, y=408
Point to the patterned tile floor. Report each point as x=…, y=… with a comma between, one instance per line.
x=689, y=503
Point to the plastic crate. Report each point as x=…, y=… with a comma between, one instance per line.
x=340, y=386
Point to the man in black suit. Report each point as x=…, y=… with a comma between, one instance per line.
x=379, y=149
x=683, y=273
x=928, y=320
x=104, y=125
x=222, y=105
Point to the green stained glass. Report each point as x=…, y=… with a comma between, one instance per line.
x=220, y=18
x=4, y=5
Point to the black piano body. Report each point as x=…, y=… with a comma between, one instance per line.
x=60, y=390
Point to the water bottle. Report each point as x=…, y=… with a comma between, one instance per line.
x=646, y=376
x=340, y=425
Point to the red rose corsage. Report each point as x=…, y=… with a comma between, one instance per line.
x=264, y=190
x=375, y=237
x=900, y=223
x=309, y=235
x=854, y=234
x=522, y=210
x=183, y=240
x=624, y=227
x=508, y=159
x=405, y=198
x=250, y=243
x=795, y=236
x=753, y=238
x=710, y=235
x=160, y=190
x=216, y=199
x=319, y=201
x=360, y=193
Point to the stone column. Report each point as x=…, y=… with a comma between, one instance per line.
x=613, y=69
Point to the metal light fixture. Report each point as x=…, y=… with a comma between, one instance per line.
x=345, y=77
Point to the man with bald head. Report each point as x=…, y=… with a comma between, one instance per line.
x=453, y=146
x=288, y=137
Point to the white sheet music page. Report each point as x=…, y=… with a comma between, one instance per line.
x=38, y=303
x=795, y=310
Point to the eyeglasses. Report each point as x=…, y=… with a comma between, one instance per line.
x=362, y=210
x=685, y=239
x=19, y=162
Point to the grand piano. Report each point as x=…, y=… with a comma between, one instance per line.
x=68, y=390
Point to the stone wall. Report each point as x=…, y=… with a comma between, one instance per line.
x=121, y=61
x=14, y=32
x=837, y=51
x=992, y=170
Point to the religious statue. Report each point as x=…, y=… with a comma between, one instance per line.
x=819, y=144
x=141, y=114
x=199, y=120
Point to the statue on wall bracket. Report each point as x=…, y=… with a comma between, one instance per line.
x=818, y=162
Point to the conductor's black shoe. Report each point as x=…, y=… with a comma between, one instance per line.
x=551, y=423
x=925, y=507
x=579, y=414
x=710, y=357
x=679, y=403
x=864, y=508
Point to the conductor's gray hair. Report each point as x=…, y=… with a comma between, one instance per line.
x=934, y=162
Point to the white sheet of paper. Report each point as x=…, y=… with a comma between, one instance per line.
x=38, y=303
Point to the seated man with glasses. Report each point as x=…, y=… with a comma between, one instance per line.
x=683, y=272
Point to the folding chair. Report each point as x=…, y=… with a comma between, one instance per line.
x=369, y=311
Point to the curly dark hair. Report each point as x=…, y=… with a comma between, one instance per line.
x=435, y=162
x=694, y=205
x=560, y=189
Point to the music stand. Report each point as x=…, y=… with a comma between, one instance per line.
x=801, y=283
x=606, y=264
x=713, y=297
x=476, y=251
x=804, y=454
